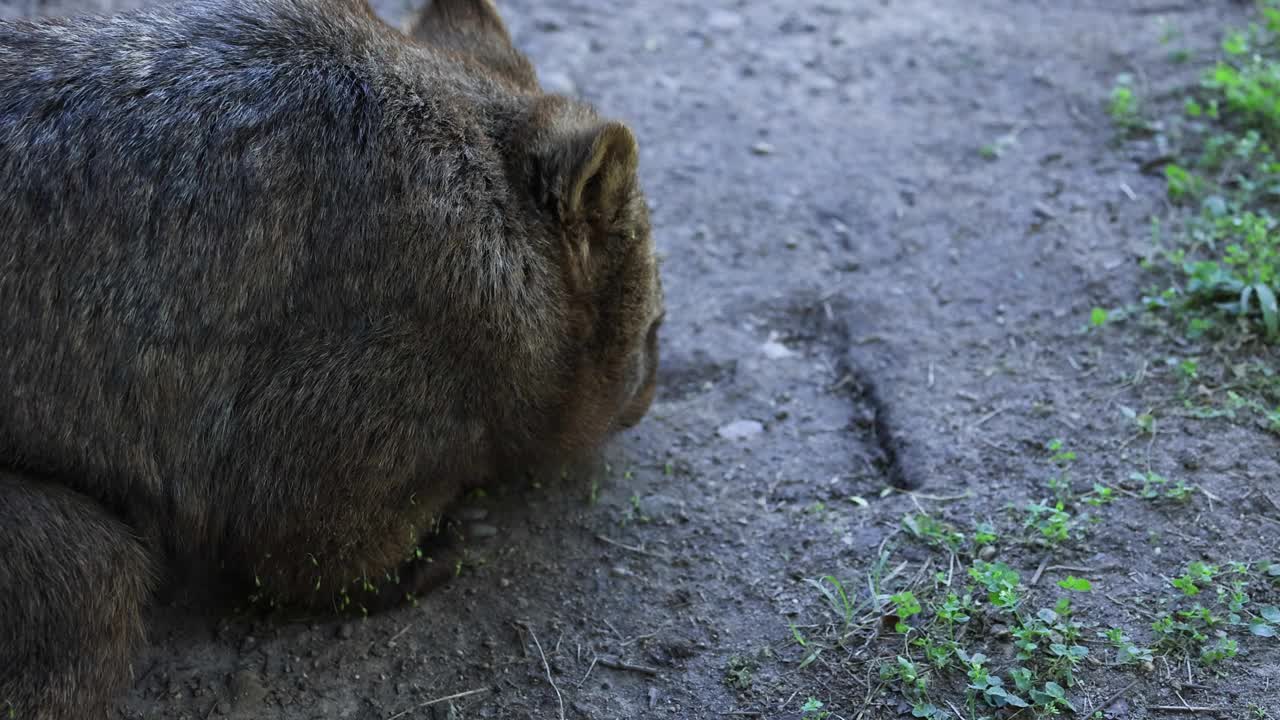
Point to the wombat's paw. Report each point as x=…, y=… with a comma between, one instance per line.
x=433, y=562
x=412, y=580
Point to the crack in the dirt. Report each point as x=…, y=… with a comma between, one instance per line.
x=828, y=319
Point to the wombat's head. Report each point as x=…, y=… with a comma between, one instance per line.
x=586, y=175
x=581, y=173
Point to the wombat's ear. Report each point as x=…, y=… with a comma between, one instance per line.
x=474, y=29
x=476, y=19
x=599, y=168
x=589, y=176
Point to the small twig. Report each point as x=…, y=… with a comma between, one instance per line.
x=590, y=667
x=1186, y=708
x=638, y=638
x=403, y=630
x=1133, y=437
x=547, y=668
x=524, y=641
x=1044, y=563
x=1167, y=9
x=1270, y=500
x=428, y=703
x=996, y=446
x=1112, y=700
x=983, y=420
x=1209, y=496
x=632, y=548
x=619, y=665
x=1181, y=699
x=1131, y=607
x=743, y=713
x=1077, y=569
x=932, y=498
x=894, y=573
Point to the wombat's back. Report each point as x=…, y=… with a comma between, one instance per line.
x=218, y=212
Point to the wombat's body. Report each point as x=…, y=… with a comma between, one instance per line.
x=277, y=283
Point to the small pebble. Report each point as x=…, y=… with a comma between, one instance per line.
x=480, y=531
x=724, y=20
x=473, y=514
x=739, y=429
x=775, y=350
x=345, y=631
x=246, y=689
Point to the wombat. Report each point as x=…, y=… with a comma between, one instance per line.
x=278, y=283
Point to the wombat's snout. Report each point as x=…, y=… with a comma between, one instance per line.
x=645, y=383
x=638, y=407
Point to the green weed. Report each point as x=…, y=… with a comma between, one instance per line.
x=933, y=532
x=1123, y=105
x=739, y=672
x=812, y=710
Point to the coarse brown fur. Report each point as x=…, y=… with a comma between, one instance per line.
x=279, y=283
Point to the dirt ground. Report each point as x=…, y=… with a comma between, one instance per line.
x=829, y=224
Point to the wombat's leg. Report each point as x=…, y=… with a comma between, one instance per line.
x=363, y=553
x=439, y=555
x=72, y=584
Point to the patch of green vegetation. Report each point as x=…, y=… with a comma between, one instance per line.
x=1125, y=651
x=1157, y=487
x=634, y=514
x=1048, y=643
x=836, y=598
x=1216, y=260
x=977, y=642
x=933, y=531
x=1213, y=602
x=739, y=673
x=1123, y=105
x=813, y=710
